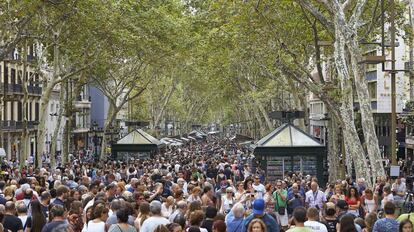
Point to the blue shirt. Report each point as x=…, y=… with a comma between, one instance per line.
x=234, y=224
x=386, y=225
x=268, y=220
x=296, y=202
x=58, y=201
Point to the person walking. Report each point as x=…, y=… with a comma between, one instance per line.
x=313, y=222
x=388, y=223
x=259, y=212
x=122, y=225
x=299, y=218
x=156, y=219
x=280, y=199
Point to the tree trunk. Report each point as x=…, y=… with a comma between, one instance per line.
x=268, y=122
x=352, y=142
x=41, y=132
x=259, y=120
x=56, y=131
x=68, y=126
x=44, y=103
x=65, y=142
x=367, y=119
x=353, y=146
x=333, y=151
x=159, y=114
x=25, y=114
x=249, y=120
x=298, y=100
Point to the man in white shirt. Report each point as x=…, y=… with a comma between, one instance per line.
x=155, y=220
x=258, y=188
x=315, y=197
x=399, y=189
x=312, y=222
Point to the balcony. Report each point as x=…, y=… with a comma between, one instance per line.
x=13, y=89
x=81, y=128
x=17, y=125
x=34, y=90
x=18, y=89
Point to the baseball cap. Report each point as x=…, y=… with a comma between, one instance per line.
x=342, y=204
x=258, y=207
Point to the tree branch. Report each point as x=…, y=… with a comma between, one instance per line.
x=353, y=21
x=318, y=15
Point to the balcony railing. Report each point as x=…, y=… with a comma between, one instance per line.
x=17, y=125
x=18, y=89
x=36, y=90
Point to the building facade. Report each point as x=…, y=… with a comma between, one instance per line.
x=379, y=86
x=11, y=104
x=52, y=121
x=82, y=120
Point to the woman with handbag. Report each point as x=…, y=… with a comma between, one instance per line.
x=280, y=196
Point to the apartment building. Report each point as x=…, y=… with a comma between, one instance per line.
x=82, y=120
x=11, y=101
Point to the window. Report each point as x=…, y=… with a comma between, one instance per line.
x=19, y=77
x=372, y=88
x=37, y=111
x=19, y=111
x=13, y=75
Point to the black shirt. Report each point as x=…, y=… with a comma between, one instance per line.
x=12, y=223
x=331, y=225
x=207, y=224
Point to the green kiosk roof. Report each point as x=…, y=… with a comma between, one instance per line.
x=288, y=135
x=139, y=137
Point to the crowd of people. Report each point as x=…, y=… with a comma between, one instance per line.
x=207, y=186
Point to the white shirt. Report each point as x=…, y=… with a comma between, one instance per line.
x=177, y=168
x=399, y=188
x=151, y=223
x=23, y=219
x=96, y=227
x=166, y=211
x=315, y=199
x=390, y=197
x=316, y=226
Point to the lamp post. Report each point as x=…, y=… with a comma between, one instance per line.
x=95, y=137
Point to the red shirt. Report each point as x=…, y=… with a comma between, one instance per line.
x=352, y=201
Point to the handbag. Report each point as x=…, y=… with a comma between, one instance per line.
x=280, y=209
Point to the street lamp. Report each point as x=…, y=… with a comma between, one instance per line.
x=95, y=137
